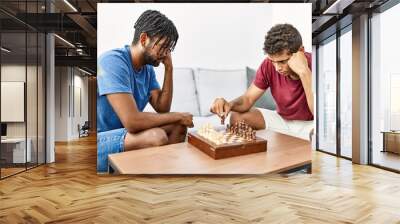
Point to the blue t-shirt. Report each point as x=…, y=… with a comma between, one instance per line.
x=116, y=75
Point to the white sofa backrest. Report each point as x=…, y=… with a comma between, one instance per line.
x=184, y=97
x=211, y=84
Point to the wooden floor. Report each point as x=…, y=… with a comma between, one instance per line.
x=70, y=191
x=5, y=172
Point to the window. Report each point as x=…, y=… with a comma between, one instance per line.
x=327, y=96
x=385, y=89
x=346, y=92
x=23, y=77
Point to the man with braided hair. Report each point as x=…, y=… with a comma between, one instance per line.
x=287, y=72
x=127, y=82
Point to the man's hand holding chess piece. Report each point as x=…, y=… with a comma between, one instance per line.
x=221, y=107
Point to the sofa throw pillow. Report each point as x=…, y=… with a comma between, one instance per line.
x=266, y=100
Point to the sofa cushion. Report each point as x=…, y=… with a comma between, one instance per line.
x=211, y=84
x=266, y=100
x=184, y=97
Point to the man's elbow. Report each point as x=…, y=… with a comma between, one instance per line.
x=132, y=129
x=248, y=103
x=133, y=126
x=164, y=109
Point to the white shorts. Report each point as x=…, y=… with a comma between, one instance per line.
x=275, y=122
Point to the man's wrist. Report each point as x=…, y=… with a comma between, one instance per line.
x=176, y=115
x=304, y=73
x=231, y=104
x=168, y=68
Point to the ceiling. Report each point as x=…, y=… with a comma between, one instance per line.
x=75, y=21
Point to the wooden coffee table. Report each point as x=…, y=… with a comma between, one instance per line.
x=284, y=154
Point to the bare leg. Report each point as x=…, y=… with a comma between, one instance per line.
x=253, y=117
x=176, y=132
x=146, y=138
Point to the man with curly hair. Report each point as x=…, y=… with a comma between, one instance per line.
x=287, y=72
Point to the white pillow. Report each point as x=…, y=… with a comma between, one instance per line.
x=211, y=84
x=184, y=97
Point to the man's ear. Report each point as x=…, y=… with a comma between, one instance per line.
x=301, y=48
x=142, y=39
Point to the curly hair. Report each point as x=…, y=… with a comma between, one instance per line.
x=282, y=37
x=156, y=24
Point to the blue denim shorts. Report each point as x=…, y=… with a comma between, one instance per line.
x=109, y=142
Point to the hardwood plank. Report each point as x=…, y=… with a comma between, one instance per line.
x=70, y=191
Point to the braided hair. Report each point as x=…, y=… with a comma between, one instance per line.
x=156, y=24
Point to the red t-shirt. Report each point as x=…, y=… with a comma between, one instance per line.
x=289, y=94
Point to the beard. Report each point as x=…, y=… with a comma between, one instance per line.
x=149, y=60
x=293, y=76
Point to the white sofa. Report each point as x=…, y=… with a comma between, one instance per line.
x=196, y=88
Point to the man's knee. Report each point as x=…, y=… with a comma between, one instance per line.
x=253, y=117
x=179, y=134
x=235, y=117
x=157, y=136
x=258, y=117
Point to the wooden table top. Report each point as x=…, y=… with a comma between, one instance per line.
x=283, y=153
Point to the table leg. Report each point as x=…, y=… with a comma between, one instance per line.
x=306, y=167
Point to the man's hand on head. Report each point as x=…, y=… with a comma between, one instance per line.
x=299, y=64
x=167, y=61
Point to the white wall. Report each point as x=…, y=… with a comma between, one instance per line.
x=220, y=36
x=15, y=73
x=66, y=119
x=61, y=103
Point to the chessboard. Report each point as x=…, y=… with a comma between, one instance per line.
x=236, y=140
